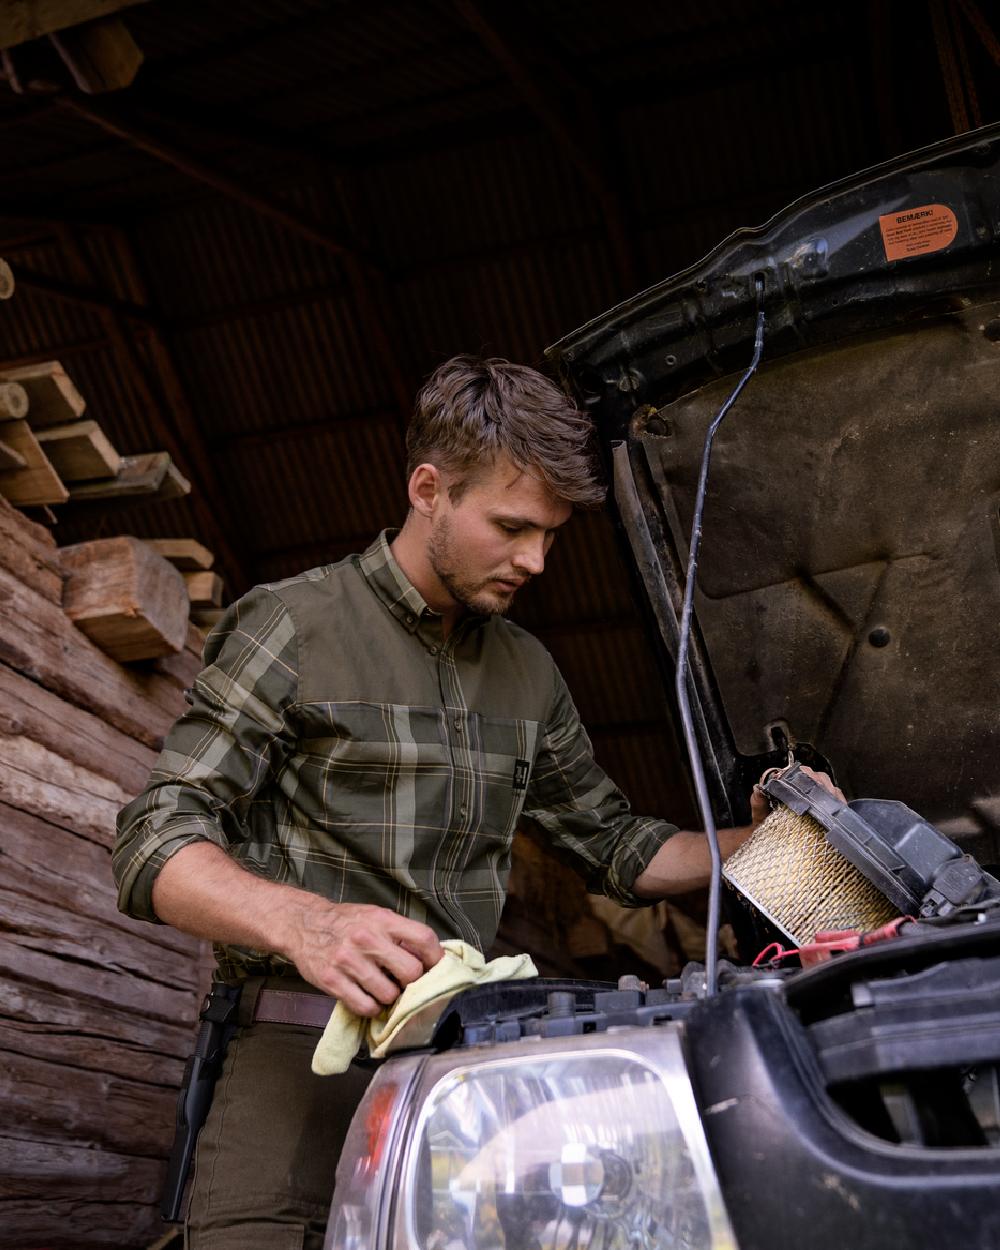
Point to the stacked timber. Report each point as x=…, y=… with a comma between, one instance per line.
x=50, y=454
x=204, y=586
x=97, y=1012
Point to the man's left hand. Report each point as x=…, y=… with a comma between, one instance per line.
x=760, y=808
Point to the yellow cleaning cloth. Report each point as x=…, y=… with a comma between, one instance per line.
x=460, y=968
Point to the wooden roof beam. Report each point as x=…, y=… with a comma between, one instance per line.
x=226, y=126
x=30, y=19
x=85, y=347
x=550, y=110
x=360, y=273
x=116, y=123
x=83, y=296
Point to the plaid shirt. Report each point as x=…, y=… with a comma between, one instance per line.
x=337, y=741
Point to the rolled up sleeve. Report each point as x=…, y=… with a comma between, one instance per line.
x=582, y=811
x=219, y=753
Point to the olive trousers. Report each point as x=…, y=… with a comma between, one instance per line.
x=267, y=1155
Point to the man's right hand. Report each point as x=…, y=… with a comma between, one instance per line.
x=361, y=954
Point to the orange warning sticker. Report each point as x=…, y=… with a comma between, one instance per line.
x=917, y=231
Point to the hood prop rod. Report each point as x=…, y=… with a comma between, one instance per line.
x=682, y=674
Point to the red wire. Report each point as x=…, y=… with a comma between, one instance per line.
x=775, y=953
x=780, y=953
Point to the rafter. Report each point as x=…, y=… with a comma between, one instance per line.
x=553, y=114
x=83, y=296
x=358, y=269
x=136, y=135
x=85, y=347
x=228, y=125
x=20, y=22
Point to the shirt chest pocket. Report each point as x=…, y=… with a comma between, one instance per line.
x=503, y=752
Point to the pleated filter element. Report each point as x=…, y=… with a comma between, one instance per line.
x=802, y=884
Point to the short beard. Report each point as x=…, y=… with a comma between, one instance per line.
x=470, y=595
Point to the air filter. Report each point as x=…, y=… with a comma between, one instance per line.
x=819, y=863
x=802, y=884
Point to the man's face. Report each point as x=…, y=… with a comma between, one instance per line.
x=489, y=544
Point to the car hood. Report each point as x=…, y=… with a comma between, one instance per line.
x=848, y=591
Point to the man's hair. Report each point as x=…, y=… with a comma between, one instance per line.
x=470, y=411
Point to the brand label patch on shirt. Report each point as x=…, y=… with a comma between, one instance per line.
x=521, y=768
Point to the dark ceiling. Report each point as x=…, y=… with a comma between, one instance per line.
x=253, y=255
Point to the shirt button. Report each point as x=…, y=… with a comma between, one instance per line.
x=434, y=650
x=410, y=618
x=458, y=723
x=463, y=811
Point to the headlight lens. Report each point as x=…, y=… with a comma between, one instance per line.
x=578, y=1144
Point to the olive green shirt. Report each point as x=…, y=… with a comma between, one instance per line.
x=337, y=741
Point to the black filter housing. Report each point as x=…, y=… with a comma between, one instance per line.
x=921, y=872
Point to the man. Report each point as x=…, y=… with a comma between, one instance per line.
x=344, y=789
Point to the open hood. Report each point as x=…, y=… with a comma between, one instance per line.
x=849, y=582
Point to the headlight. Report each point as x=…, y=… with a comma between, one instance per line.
x=583, y=1143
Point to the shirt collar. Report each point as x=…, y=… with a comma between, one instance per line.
x=398, y=593
x=391, y=584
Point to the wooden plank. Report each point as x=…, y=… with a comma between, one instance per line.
x=80, y=451
x=77, y=1050
x=204, y=589
x=207, y=618
x=39, y=640
x=128, y=600
x=21, y=20
x=182, y=668
x=32, y=925
x=37, y=483
x=105, y=986
x=77, y=876
x=37, y=1169
x=107, y=1111
x=28, y=550
x=13, y=401
x=69, y=731
x=185, y=666
x=101, y=55
x=187, y=554
x=58, y=1223
x=39, y=781
x=52, y=397
x=11, y=459
x=38, y=1006
x=151, y=475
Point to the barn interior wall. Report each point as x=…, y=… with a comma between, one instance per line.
x=96, y=1010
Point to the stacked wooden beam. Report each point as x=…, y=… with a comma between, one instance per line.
x=50, y=454
x=96, y=1011
x=204, y=586
x=126, y=598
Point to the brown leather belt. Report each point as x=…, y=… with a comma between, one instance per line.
x=293, y=1007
